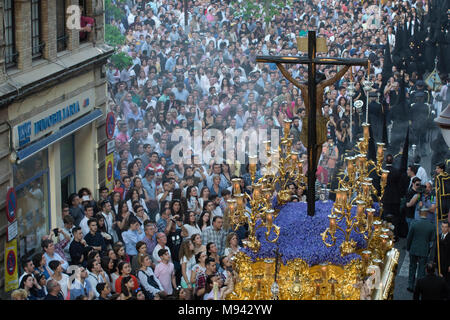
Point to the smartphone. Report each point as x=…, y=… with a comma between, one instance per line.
x=55, y=231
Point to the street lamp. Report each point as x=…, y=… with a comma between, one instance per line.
x=443, y=122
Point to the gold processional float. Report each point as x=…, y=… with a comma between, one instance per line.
x=370, y=276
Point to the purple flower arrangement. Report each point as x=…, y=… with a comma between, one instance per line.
x=300, y=236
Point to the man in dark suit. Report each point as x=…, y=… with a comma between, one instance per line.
x=418, y=243
x=444, y=251
x=391, y=197
x=431, y=287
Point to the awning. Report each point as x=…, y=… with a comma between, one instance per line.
x=42, y=144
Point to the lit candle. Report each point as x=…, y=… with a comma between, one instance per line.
x=361, y=205
x=232, y=205
x=366, y=130
x=332, y=219
x=267, y=193
x=380, y=150
x=269, y=217
x=370, y=212
x=236, y=185
x=323, y=270
x=267, y=143
x=257, y=191
x=300, y=166
x=350, y=164
x=252, y=160
x=366, y=255
x=366, y=187
x=294, y=157
x=344, y=195
x=384, y=176
x=338, y=196
x=287, y=126
x=376, y=226
x=240, y=200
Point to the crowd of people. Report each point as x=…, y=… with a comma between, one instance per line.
x=163, y=231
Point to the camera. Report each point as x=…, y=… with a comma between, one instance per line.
x=421, y=189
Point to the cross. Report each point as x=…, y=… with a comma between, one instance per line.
x=313, y=92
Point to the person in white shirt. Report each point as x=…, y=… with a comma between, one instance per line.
x=88, y=214
x=59, y=276
x=96, y=275
x=421, y=173
x=161, y=238
x=51, y=255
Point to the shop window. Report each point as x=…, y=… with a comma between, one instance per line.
x=33, y=214
x=67, y=155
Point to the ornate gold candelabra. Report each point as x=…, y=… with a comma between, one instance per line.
x=278, y=174
x=296, y=280
x=356, y=190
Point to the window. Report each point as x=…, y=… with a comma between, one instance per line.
x=33, y=214
x=36, y=45
x=61, y=34
x=10, y=40
x=67, y=155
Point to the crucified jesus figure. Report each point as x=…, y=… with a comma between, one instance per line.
x=321, y=121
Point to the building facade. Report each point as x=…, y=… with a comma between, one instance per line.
x=53, y=105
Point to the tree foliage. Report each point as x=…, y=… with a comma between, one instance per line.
x=113, y=37
x=121, y=60
x=266, y=9
x=112, y=10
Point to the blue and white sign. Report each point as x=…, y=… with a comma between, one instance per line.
x=52, y=119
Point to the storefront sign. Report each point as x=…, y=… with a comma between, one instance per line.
x=11, y=204
x=53, y=119
x=110, y=125
x=11, y=274
x=109, y=170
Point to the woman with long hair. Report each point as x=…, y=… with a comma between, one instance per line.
x=231, y=244
x=150, y=284
x=190, y=224
x=32, y=287
x=127, y=289
x=137, y=183
x=208, y=119
x=197, y=242
x=120, y=252
x=204, y=220
x=176, y=208
x=125, y=271
x=204, y=196
x=114, y=199
x=187, y=261
x=133, y=195
x=40, y=265
x=199, y=267
x=122, y=219
x=226, y=174
x=109, y=265
x=133, y=170
x=192, y=200
x=216, y=189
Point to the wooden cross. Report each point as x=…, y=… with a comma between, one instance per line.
x=313, y=92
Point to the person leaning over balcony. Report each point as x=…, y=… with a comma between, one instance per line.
x=86, y=24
